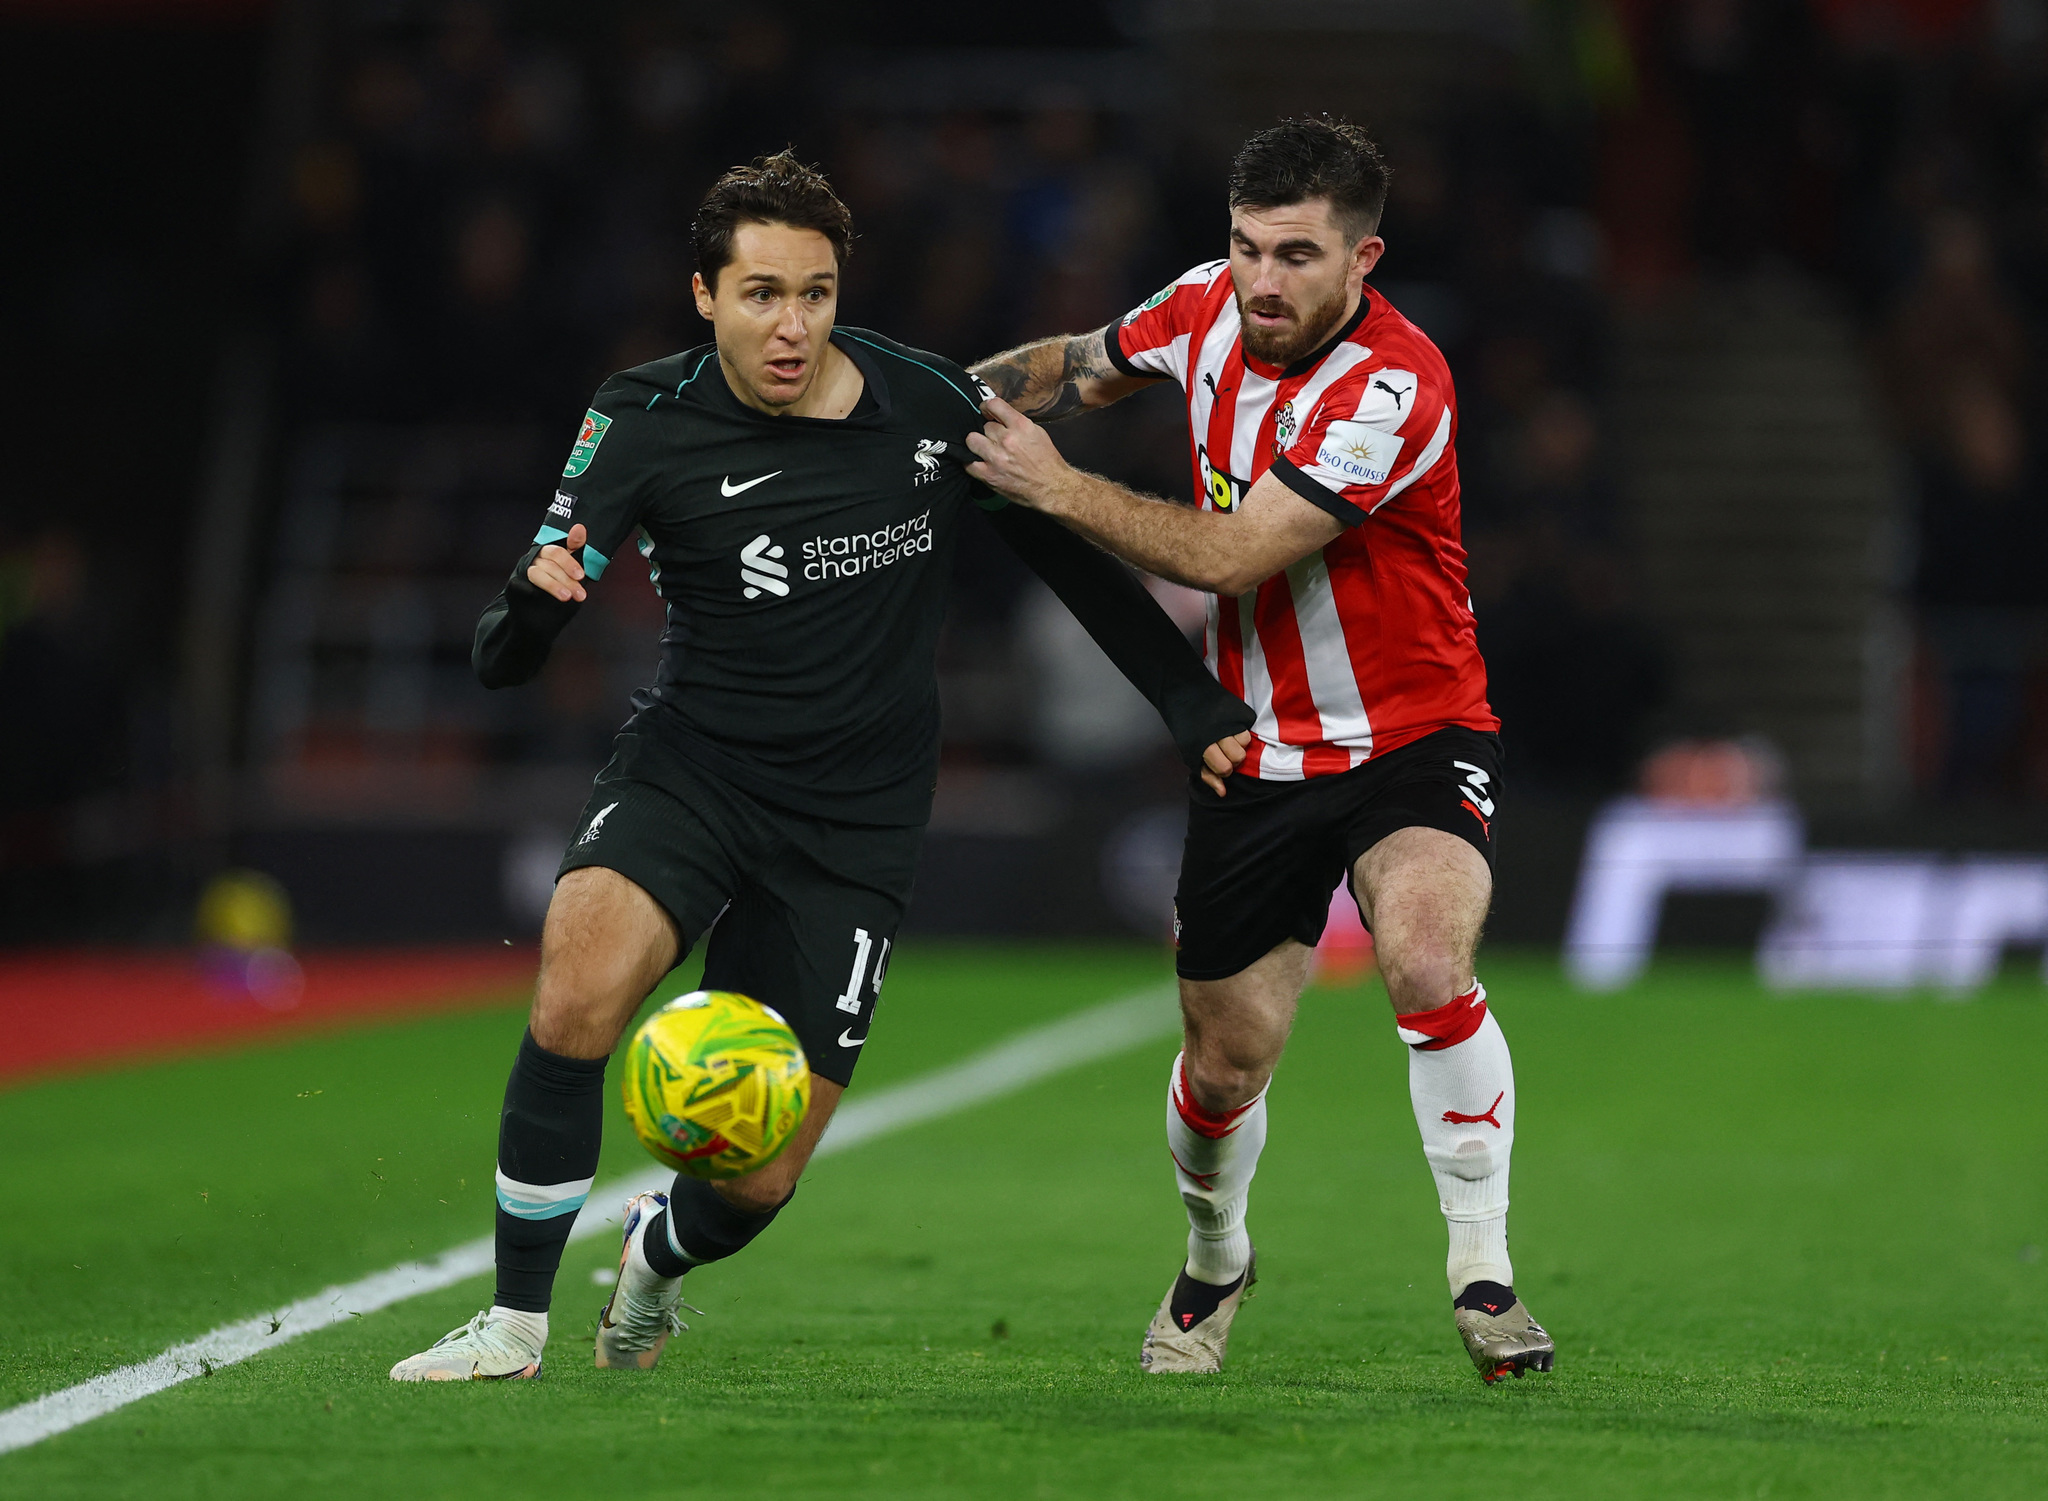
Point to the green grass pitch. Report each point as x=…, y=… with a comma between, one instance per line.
x=1788, y=1247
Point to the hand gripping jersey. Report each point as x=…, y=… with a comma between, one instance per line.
x=1368, y=644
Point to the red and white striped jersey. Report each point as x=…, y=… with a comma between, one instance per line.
x=1368, y=644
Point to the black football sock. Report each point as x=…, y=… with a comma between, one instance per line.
x=1487, y=1297
x=1194, y=1299
x=547, y=1158
x=700, y=1221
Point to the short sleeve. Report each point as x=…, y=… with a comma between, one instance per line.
x=603, y=482
x=1153, y=338
x=1376, y=433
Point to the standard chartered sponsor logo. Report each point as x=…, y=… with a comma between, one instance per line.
x=863, y=552
x=759, y=571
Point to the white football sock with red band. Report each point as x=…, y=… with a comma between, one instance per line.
x=1448, y=1025
x=1214, y=1157
x=1462, y=1083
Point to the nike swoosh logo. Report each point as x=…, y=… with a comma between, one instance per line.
x=848, y=1040
x=727, y=488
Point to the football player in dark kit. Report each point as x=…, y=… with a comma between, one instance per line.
x=800, y=489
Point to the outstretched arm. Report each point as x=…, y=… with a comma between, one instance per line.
x=1057, y=377
x=1207, y=721
x=1272, y=529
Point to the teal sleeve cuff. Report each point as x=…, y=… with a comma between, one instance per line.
x=594, y=562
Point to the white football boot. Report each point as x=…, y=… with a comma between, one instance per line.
x=499, y=1344
x=640, y=1315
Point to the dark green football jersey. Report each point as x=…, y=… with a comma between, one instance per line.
x=803, y=562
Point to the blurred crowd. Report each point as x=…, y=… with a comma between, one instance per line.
x=489, y=214
x=494, y=217
x=1898, y=150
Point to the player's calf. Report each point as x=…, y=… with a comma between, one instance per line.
x=1462, y=1083
x=1215, y=1130
x=548, y=1138
x=1215, y=1155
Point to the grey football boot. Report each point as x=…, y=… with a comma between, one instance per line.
x=1193, y=1342
x=1499, y=1334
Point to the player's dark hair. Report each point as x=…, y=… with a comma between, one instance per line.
x=776, y=189
x=1315, y=156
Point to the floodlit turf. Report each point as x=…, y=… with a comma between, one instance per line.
x=1787, y=1247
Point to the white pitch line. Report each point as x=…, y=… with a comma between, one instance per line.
x=1098, y=1032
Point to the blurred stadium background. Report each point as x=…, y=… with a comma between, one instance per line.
x=1744, y=301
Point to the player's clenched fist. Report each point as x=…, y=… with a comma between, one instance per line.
x=1223, y=758
x=1015, y=457
x=556, y=569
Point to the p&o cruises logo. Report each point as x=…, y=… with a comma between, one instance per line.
x=1358, y=454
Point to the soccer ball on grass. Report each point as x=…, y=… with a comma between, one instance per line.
x=716, y=1084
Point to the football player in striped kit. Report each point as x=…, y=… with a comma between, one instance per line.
x=1322, y=435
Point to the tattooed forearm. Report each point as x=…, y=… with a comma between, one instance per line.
x=1048, y=380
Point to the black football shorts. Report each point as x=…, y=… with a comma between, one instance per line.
x=802, y=912
x=1260, y=864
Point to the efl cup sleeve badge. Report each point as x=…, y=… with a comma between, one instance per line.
x=1355, y=454
x=595, y=424
x=1151, y=302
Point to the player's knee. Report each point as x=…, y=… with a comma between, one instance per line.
x=579, y=1009
x=1224, y=1078
x=759, y=1192
x=1229, y=1060
x=569, y=1026
x=1424, y=974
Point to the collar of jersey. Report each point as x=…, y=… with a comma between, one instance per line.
x=1315, y=356
x=869, y=370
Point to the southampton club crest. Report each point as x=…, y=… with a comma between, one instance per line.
x=926, y=460
x=1284, y=429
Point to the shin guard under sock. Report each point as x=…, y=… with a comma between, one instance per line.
x=1214, y=1158
x=699, y=1226
x=547, y=1158
x=1462, y=1084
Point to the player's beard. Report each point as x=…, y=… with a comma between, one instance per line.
x=1284, y=346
